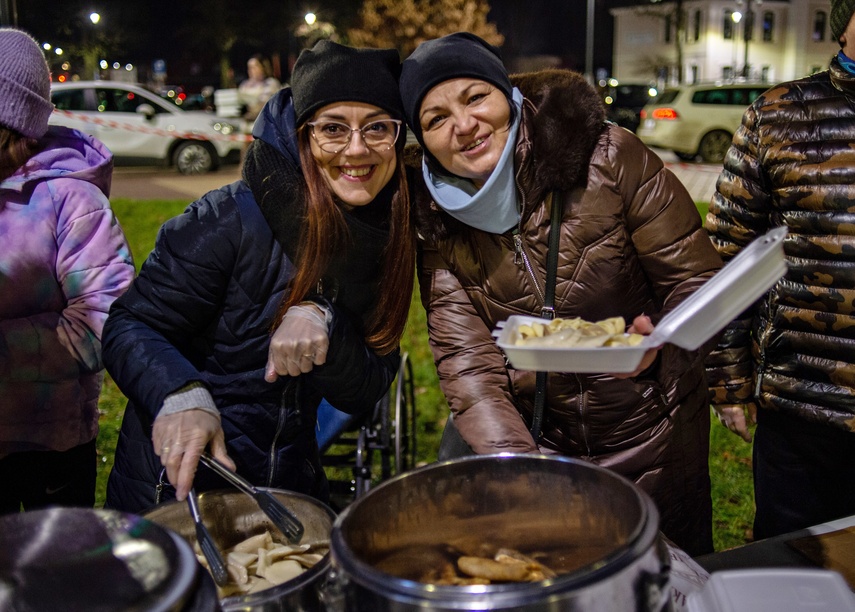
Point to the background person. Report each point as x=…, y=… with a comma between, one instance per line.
x=631, y=243
x=259, y=86
x=63, y=261
x=315, y=242
x=788, y=361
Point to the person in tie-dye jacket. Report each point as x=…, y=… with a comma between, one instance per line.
x=63, y=261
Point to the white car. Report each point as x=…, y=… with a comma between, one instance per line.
x=139, y=126
x=697, y=120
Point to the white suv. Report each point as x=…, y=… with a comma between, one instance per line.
x=697, y=120
x=139, y=126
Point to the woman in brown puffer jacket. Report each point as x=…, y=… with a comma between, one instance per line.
x=631, y=244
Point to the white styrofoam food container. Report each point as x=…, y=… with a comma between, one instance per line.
x=702, y=315
x=773, y=590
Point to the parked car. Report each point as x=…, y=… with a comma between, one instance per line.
x=139, y=126
x=624, y=102
x=697, y=120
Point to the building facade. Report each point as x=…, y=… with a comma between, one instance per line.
x=722, y=40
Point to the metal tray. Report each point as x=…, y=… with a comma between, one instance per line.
x=706, y=312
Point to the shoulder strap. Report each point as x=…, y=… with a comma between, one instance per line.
x=548, y=309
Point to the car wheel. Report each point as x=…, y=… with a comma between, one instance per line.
x=714, y=146
x=686, y=157
x=194, y=157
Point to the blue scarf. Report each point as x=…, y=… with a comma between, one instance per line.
x=493, y=208
x=847, y=64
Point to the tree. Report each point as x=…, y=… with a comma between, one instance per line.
x=404, y=24
x=673, y=14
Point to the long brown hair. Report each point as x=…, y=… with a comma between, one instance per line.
x=325, y=226
x=15, y=151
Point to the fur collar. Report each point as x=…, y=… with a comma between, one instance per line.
x=563, y=117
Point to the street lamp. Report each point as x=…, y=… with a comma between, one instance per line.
x=747, y=32
x=90, y=54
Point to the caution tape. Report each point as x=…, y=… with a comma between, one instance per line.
x=169, y=133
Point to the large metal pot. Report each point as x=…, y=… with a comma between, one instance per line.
x=232, y=516
x=97, y=560
x=599, y=529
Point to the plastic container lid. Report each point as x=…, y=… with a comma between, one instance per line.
x=773, y=590
x=697, y=319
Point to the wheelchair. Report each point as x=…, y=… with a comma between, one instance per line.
x=358, y=452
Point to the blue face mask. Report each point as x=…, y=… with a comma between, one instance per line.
x=494, y=208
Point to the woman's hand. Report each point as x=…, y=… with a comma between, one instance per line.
x=644, y=326
x=299, y=343
x=737, y=417
x=180, y=439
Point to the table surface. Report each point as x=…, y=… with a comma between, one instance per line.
x=772, y=552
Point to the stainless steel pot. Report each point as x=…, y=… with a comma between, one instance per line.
x=598, y=529
x=232, y=516
x=96, y=560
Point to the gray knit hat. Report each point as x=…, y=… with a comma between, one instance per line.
x=24, y=84
x=841, y=13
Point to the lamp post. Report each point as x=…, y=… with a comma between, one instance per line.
x=90, y=51
x=747, y=33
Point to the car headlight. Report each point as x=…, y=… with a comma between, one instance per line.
x=224, y=127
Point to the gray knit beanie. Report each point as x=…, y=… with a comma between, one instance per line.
x=24, y=84
x=841, y=13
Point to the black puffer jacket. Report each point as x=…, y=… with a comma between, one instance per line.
x=201, y=311
x=631, y=243
x=792, y=164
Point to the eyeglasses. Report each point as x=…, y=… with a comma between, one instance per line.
x=333, y=137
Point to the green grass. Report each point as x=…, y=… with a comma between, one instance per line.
x=730, y=457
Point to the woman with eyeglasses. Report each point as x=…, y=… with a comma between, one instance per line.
x=268, y=294
x=501, y=155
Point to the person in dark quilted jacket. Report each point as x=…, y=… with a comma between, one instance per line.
x=788, y=362
x=288, y=286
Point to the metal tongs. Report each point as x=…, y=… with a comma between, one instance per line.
x=206, y=543
x=284, y=520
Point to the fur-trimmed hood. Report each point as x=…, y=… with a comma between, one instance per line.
x=563, y=117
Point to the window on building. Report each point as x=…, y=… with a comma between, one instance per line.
x=727, y=73
x=694, y=70
x=696, y=26
x=820, y=20
x=768, y=26
x=668, y=28
x=727, y=25
x=764, y=74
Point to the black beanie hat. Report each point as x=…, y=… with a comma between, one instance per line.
x=330, y=72
x=841, y=14
x=454, y=56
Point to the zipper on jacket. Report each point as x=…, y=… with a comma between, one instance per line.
x=280, y=424
x=761, y=345
x=583, y=416
x=521, y=257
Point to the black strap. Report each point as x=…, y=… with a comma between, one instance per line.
x=548, y=310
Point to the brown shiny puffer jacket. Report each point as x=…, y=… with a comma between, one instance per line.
x=792, y=164
x=631, y=243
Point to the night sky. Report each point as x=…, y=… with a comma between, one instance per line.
x=164, y=29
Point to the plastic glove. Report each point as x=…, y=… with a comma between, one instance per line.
x=179, y=440
x=299, y=343
x=736, y=418
x=644, y=326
